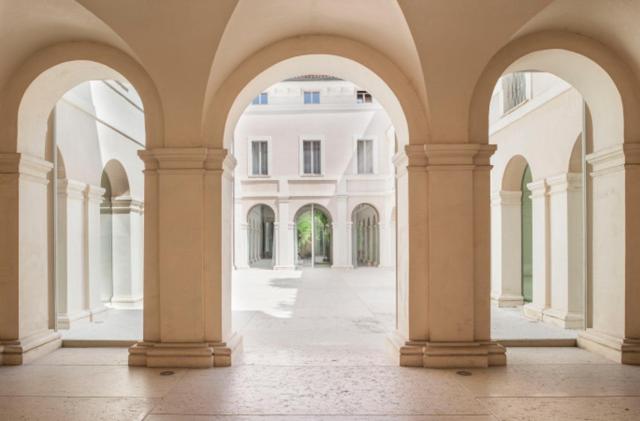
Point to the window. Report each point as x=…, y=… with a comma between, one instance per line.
x=312, y=97
x=514, y=91
x=261, y=99
x=259, y=157
x=363, y=97
x=311, y=150
x=365, y=156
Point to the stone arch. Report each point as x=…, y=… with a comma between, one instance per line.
x=260, y=204
x=512, y=176
x=118, y=180
x=575, y=158
x=36, y=86
x=340, y=57
x=602, y=78
x=366, y=235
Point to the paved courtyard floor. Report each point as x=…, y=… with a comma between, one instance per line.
x=314, y=349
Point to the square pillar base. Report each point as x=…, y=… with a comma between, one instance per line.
x=185, y=355
x=622, y=350
x=506, y=300
x=532, y=311
x=284, y=267
x=563, y=319
x=477, y=354
x=28, y=349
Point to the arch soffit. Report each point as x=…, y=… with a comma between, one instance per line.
x=359, y=205
x=118, y=178
x=40, y=81
x=602, y=62
x=513, y=173
x=294, y=56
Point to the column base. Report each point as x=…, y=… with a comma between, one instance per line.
x=28, y=349
x=478, y=354
x=532, y=311
x=185, y=355
x=65, y=321
x=126, y=302
x=563, y=319
x=284, y=267
x=341, y=266
x=507, y=300
x=622, y=350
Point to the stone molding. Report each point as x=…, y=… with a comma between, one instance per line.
x=565, y=182
x=29, y=167
x=126, y=205
x=93, y=193
x=622, y=350
x=176, y=159
x=21, y=351
x=538, y=188
x=506, y=198
x=71, y=189
x=614, y=158
x=458, y=156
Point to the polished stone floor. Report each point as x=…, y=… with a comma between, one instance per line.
x=315, y=350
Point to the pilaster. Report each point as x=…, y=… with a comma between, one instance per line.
x=187, y=299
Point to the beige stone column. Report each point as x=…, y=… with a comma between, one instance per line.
x=506, y=257
x=614, y=313
x=73, y=288
x=25, y=287
x=566, y=304
x=540, y=250
x=444, y=314
x=187, y=300
x=92, y=265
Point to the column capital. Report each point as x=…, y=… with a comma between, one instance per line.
x=564, y=182
x=126, y=205
x=94, y=193
x=614, y=158
x=212, y=159
x=459, y=155
x=506, y=198
x=538, y=188
x=71, y=188
x=26, y=165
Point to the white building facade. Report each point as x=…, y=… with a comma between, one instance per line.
x=315, y=149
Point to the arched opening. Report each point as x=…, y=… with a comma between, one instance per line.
x=290, y=149
x=313, y=236
x=366, y=235
x=526, y=237
x=260, y=236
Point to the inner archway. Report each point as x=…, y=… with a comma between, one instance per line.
x=366, y=235
x=260, y=236
x=313, y=236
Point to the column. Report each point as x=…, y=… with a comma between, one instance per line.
x=25, y=301
x=350, y=244
x=93, y=255
x=540, y=250
x=285, y=237
x=72, y=284
x=127, y=285
x=340, y=237
x=566, y=273
x=444, y=296
x=614, y=317
x=506, y=239
x=187, y=296
x=241, y=257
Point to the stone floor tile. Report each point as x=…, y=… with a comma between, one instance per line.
x=554, y=380
x=85, y=356
x=85, y=381
x=565, y=409
x=73, y=409
x=559, y=355
x=258, y=390
x=154, y=417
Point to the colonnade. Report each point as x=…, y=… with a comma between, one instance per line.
x=557, y=250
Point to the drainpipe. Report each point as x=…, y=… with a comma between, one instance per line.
x=54, y=215
x=585, y=219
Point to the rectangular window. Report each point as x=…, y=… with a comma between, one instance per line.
x=262, y=99
x=311, y=161
x=365, y=156
x=514, y=91
x=363, y=97
x=312, y=97
x=259, y=157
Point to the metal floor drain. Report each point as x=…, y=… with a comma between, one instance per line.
x=463, y=373
x=167, y=373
